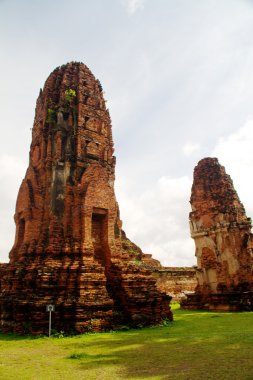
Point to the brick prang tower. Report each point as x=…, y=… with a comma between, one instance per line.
x=69, y=248
x=223, y=240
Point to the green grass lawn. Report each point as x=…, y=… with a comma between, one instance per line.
x=197, y=345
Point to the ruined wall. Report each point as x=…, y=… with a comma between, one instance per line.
x=223, y=239
x=69, y=248
x=176, y=281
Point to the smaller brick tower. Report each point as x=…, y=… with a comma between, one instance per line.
x=223, y=239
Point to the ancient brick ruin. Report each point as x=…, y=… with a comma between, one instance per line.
x=177, y=282
x=70, y=249
x=223, y=239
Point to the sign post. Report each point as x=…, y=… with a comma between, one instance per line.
x=50, y=308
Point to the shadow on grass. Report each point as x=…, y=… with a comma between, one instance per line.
x=197, y=345
x=84, y=355
x=15, y=337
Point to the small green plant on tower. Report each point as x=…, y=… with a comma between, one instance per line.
x=70, y=94
x=51, y=116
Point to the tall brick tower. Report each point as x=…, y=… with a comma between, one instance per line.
x=69, y=248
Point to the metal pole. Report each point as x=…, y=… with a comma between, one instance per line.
x=50, y=322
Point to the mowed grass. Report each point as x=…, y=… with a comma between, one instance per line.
x=197, y=345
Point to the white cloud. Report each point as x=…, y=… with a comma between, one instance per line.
x=190, y=148
x=12, y=171
x=133, y=6
x=182, y=73
x=157, y=220
x=235, y=152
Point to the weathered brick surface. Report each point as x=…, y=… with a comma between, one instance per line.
x=176, y=281
x=69, y=248
x=223, y=239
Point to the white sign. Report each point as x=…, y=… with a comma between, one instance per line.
x=50, y=308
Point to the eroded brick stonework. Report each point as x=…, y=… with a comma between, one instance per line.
x=223, y=239
x=177, y=282
x=69, y=248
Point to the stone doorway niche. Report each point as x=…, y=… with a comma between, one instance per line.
x=100, y=235
x=21, y=232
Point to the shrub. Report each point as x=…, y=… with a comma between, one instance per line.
x=70, y=94
x=51, y=116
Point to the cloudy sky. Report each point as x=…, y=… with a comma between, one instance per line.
x=178, y=77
